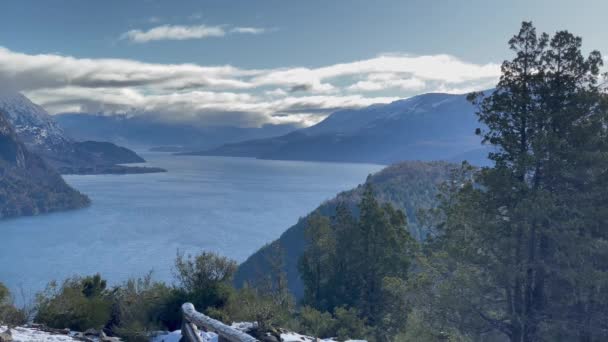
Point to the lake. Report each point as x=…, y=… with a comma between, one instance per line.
x=137, y=223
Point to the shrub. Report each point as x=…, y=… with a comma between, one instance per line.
x=349, y=324
x=345, y=323
x=78, y=304
x=316, y=323
x=9, y=314
x=268, y=309
x=205, y=280
x=141, y=306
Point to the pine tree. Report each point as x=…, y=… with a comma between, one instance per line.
x=359, y=263
x=526, y=235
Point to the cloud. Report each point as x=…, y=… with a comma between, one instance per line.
x=249, y=30
x=174, y=32
x=226, y=94
x=180, y=32
x=383, y=81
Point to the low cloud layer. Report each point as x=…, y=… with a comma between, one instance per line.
x=228, y=95
x=180, y=32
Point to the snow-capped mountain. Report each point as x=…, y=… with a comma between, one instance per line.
x=28, y=185
x=432, y=126
x=42, y=135
x=34, y=126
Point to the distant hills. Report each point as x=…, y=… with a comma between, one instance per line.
x=432, y=126
x=28, y=185
x=409, y=186
x=42, y=135
x=146, y=130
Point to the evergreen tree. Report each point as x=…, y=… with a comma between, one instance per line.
x=359, y=263
x=520, y=248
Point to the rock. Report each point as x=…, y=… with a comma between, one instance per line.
x=91, y=332
x=6, y=336
x=270, y=338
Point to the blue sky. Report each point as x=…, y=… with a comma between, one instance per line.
x=253, y=62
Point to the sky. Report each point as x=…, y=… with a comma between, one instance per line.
x=250, y=63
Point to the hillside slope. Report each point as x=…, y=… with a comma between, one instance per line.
x=426, y=127
x=28, y=186
x=409, y=186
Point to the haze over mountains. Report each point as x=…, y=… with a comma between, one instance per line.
x=42, y=135
x=146, y=130
x=432, y=126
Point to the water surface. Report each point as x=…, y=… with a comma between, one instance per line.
x=137, y=223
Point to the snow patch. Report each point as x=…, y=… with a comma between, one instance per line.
x=23, y=334
x=176, y=335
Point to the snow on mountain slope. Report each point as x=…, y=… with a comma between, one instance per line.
x=33, y=124
x=349, y=121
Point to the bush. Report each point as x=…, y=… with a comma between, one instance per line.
x=316, y=323
x=205, y=280
x=349, y=324
x=141, y=306
x=78, y=304
x=345, y=323
x=9, y=314
x=268, y=308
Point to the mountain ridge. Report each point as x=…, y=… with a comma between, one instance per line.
x=433, y=126
x=28, y=185
x=149, y=132
x=41, y=134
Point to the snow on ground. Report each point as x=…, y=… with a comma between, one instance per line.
x=176, y=335
x=207, y=336
x=22, y=334
x=294, y=337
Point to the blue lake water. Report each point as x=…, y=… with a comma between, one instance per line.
x=137, y=223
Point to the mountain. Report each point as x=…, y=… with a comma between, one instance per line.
x=28, y=186
x=146, y=130
x=431, y=126
x=409, y=186
x=42, y=135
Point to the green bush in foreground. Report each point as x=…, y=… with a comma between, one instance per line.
x=9, y=314
x=78, y=304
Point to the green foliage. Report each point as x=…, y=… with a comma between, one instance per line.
x=9, y=314
x=269, y=309
x=408, y=186
x=520, y=249
x=349, y=325
x=343, y=324
x=78, y=304
x=205, y=279
x=316, y=323
x=360, y=264
x=140, y=306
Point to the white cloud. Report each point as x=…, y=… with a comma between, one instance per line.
x=174, y=32
x=383, y=81
x=230, y=95
x=181, y=32
x=248, y=30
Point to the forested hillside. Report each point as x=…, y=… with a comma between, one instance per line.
x=409, y=186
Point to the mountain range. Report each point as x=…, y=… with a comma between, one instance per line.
x=432, y=126
x=28, y=185
x=148, y=131
x=43, y=136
